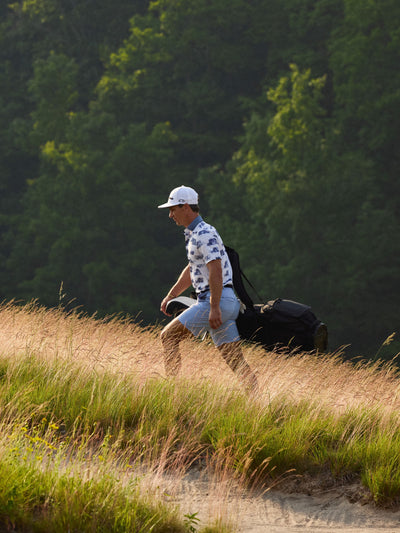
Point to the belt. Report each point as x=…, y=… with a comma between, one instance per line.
x=228, y=286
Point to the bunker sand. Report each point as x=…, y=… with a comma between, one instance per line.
x=279, y=512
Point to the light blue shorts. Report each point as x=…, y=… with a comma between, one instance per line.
x=195, y=319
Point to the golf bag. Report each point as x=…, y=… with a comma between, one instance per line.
x=278, y=322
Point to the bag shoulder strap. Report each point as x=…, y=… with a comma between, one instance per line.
x=238, y=276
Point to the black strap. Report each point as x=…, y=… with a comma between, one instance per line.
x=237, y=279
x=251, y=285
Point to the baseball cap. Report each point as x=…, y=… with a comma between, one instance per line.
x=182, y=195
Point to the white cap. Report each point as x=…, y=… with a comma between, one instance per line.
x=182, y=195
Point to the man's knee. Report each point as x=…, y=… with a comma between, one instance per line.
x=232, y=353
x=167, y=337
x=230, y=347
x=233, y=356
x=164, y=334
x=173, y=333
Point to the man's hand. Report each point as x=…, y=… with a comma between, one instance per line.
x=215, y=318
x=181, y=285
x=164, y=303
x=215, y=281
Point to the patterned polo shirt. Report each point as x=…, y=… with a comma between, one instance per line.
x=203, y=244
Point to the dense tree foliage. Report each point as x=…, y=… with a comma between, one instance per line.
x=283, y=114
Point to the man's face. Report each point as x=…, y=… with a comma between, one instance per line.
x=178, y=214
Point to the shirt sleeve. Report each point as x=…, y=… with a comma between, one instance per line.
x=210, y=246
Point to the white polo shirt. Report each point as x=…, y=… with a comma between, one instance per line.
x=203, y=244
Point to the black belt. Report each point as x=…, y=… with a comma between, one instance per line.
x=229, y=286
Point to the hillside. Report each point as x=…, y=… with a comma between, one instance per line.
x=87, y=397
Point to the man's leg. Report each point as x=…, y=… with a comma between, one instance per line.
x=233, y=356
x=171, y=336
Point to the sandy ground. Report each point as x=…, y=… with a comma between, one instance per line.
x=279, y=512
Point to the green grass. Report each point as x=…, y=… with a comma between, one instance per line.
x=38, y=497
x=180, y=421
x=76, y=437
x=76, y=482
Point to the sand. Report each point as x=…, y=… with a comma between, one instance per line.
x=278, y=512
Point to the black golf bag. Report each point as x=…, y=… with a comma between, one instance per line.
x=278, y=322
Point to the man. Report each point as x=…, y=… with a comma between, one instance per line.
x=210, y=273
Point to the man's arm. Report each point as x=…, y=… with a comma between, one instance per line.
x=183, y=283
x=215, y=282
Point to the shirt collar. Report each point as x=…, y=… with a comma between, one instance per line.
x=194, y=223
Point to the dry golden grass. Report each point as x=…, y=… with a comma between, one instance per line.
x=121, y=346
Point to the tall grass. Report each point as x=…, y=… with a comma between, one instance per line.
x=87, y=418
x=44, y=492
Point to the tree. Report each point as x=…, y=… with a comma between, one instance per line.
x=90, y=218
x=191, y=63
x=54, y=91
x=307, y=218
x=364, y=50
